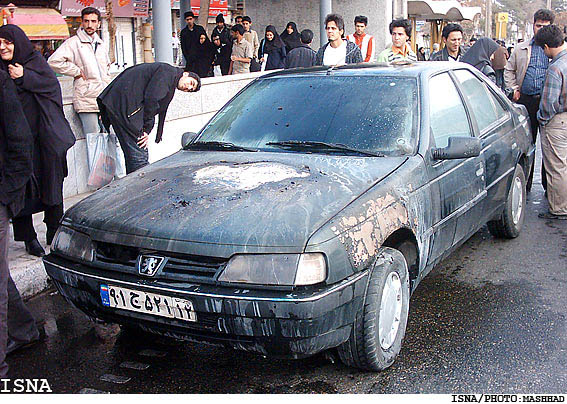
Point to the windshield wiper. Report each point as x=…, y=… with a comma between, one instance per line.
x=320, y=147
x=217, y=146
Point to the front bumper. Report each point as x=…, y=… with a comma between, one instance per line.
x=276, y=323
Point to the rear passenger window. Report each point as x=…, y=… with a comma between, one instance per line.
x=447, y=115
x=485, y=106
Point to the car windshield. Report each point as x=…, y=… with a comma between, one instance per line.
x=372, y=114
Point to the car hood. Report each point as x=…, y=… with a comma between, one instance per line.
x=233, y=198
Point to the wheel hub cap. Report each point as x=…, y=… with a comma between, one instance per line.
x=390, y=311
x=517, y=200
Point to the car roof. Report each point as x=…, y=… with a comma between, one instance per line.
x=410, y=69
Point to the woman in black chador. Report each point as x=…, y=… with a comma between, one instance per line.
x=291, y=37
x=40, y=96
x=205, y=56
x=273, y=48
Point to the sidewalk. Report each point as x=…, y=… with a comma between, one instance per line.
x=27, y=271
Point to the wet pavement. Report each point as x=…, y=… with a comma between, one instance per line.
x=490, y=318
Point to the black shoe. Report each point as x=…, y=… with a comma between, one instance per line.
x=49, y=235
x=548, y=215
x=34, y=248
x=13, y=346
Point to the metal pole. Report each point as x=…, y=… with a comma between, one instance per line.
x=548, y=4
x=161, y=11
x=488, y=25
x=326, y=8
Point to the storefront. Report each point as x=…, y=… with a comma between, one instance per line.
x=45, y=27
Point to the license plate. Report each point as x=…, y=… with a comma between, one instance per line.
x=149, y=303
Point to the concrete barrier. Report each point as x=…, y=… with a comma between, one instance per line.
x=188, y=112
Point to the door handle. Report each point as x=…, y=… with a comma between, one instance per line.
x=479, y=169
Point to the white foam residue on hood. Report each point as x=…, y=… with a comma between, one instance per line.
x=246, y=176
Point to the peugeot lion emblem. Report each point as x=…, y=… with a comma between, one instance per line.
x=148, y=265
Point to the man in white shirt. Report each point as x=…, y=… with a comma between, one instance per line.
x=337, y=51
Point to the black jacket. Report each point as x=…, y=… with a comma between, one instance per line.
x=138, y=94
x=224, y=36
x=16, y=145
x=353, y=54
x=39, y=93
x=443, y=55
x=189, y=41
x=303, y=56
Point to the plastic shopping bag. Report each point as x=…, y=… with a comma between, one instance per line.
x=217, y=71
x=102, y=160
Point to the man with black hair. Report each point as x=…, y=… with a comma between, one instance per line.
x=242, y=52
x=238, y=20
x=400, y=50
x=525, y=73
x=552, y=116
x=363, y=40
x=250, y=35
x=452, y=38
x=337, y=51
x=302, y=56
x=85, y=58
x=190, y=36
x=221, y=30
x=133, y=99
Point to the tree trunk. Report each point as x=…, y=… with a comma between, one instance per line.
x=204, y=13
x=111, y=31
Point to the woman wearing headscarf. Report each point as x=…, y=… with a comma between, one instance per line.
x=291, y=37
x=205, y=55
x=479, y=56
x=40, y=95
x=273, y=48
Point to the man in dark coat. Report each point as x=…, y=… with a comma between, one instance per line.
x=303, y=56
x=17, y=326
x=222, y=31
x=39, y=93
x=190, y=40
x=133, y=99
x=452, y=38
x=337, y=51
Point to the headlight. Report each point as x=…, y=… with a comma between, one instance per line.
x=276, y=269
x=73, y=244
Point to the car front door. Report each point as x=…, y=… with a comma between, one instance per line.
x=497, y=132
x=459, y=183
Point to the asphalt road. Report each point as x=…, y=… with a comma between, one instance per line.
x=489, y=319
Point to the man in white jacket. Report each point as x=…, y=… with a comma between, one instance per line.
x=85, y=57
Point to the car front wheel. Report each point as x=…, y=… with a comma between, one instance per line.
x=509, y=224
x=376, y=337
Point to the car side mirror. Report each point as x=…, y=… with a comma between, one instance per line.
x=187, y=138
x=459, y=147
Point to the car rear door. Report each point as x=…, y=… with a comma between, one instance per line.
x=496, y=130
x=459, y=183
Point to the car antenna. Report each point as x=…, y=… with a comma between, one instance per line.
x=330, y=69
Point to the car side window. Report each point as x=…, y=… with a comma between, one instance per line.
x=485, y=106
x=447, y=115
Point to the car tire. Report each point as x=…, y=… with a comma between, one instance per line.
x=509, y=224
x=377, y=334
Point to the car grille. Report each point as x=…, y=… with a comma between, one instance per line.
x=180, y=267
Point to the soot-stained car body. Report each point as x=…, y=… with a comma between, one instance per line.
x=305, y=213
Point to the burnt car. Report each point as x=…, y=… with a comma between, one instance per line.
x=305, y=213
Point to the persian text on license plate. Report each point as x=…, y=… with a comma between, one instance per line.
x=150, y=303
